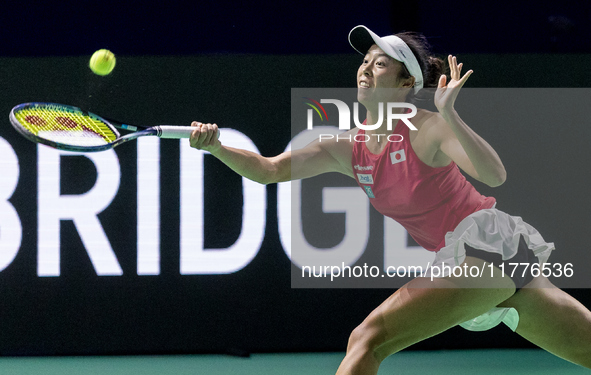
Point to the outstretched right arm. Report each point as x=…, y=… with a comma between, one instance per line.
x=314, y=159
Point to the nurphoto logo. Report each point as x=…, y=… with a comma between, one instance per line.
x=344, y=119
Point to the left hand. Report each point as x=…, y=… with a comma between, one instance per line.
x=446, y=95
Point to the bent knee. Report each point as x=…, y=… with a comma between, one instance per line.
x=366, y=337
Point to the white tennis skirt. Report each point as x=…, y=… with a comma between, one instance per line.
x=493, y=231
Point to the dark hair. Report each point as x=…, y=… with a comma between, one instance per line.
x=431, y=66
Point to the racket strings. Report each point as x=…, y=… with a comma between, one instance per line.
x=65, y=125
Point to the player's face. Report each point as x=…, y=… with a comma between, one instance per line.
x=377, y=76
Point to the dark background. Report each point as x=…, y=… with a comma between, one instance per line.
x=234, y=63
x=68, y=28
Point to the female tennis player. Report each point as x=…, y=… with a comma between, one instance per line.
x=418, y=183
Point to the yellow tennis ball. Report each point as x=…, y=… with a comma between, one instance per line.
x=102, y=62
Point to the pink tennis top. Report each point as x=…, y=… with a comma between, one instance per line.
x=428, y=202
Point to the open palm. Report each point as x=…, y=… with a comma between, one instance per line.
x=446, y=93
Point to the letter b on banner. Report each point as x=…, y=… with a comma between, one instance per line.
x=10, y=224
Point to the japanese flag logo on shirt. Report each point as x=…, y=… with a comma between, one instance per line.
x=397, y=156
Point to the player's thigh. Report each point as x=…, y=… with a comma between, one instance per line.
x=553, y=320
x=423, y=308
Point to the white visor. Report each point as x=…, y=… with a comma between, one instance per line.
x=362, y=38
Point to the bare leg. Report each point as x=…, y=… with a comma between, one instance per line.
x=419, y=310
x=553, y=320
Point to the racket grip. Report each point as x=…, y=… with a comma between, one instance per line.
x=175, y=132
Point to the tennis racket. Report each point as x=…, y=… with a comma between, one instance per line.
x=72, y=129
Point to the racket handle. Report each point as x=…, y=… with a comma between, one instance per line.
x=175, y=132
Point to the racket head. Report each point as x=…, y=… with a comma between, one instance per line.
x=63, y=127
